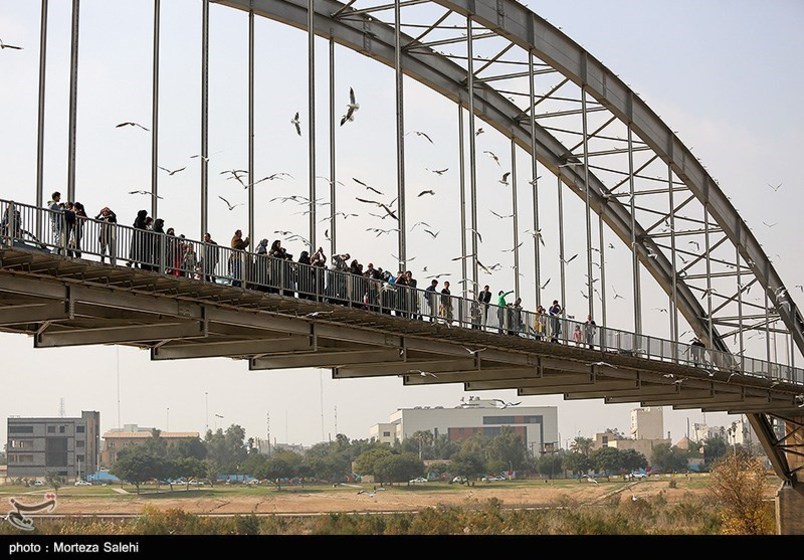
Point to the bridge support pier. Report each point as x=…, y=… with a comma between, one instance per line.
x=789, y=510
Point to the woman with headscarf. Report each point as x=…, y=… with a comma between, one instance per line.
x=159, y=247
x=305, y=277
x=78, y=227
x=138, y=239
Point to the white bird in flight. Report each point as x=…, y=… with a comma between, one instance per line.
x=438, y=171
x=230, y=205
x=422, y=373
x=129, y=123
x=7, y=46
x=493, y=156
x=295, y=122
x=504, y=180
x=351, y=108
x=145, y=192
x=169, y=172
x=422, y=134
x=570, y=259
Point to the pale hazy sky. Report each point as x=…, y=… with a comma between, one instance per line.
x=727, y=75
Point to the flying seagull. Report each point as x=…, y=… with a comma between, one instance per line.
x=776, y=188
x=420, y=224
x=432, y=234
x=317, y=313
x=473, y=352
x=504, y=180
x=501, y=216
x=169, y=172
x=430, y=192
x=514, y=248
x=479, y=131
x=504, y=404
x=129, y=123
x=543, y=286
x=535, y=234
x=423, y=134
x=439, y=275
x=570, y=259
x=604, y=364
x=372, y=189
x=422, y=373
x=145, y=192
x=295, y=122
x=493, y=156
x=438, y=171
x=7, y=46
x=231, y=206
x=351, y=108
x=479, y=237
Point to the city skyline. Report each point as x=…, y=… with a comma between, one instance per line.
x=724, y=82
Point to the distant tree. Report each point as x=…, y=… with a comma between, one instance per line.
x=190, y=468
x=226, y=450
x=330, y=460
x=253, y=464
x=737, y=483
x=550, y=464
x=470, y=460
x=633, y=460
x=714, y=448
x=669, y=459
x=577, y=463
x=445, y=448
x=3, y=459
x=506, y=451
x=283, y=464
x=367, y=461
x=55, y=481
x=582, y=445
x=398, y=468
x=607, y=460
x=438, y=469
x=156, y=444
x=136, y=465
x=188, y=448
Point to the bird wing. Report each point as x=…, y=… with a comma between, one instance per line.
x=226, y=201
x=359, y=182
x=352, y=95
x=374, y=190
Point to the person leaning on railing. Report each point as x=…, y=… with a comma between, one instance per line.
x=106, y=233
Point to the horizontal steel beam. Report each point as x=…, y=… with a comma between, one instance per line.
x=473, y=375
x=121, y=335
x=228, y=349
x=560, y=382
x=486, y=354
x=636, y=394
x=379, y=370
x=324, y=359
x=25, y=314
x=603, y=387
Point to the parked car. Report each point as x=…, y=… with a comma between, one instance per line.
x=82, y=483
x=418, y=480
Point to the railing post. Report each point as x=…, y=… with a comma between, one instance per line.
x=162, y=252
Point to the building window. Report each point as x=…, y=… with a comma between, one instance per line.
x=386, y=434
x=56, y=452
x=79, y=458
x=21, y=444
x=62, y=429
x=499, y=420
x=24, y=458
x=14, y=429
x=51, y=429
x=79, y=443
x=80, y=429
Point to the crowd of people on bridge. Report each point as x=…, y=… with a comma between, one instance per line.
x=272, y=268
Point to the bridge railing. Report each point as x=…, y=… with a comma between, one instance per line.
x=58, y=233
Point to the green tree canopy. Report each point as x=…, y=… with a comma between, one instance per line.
x=398, y=468
x=669, y=459
x=577, y=463
x=366, y=462
x=607, y=460
x=633, y=460
x=506, y=451
x=714, y=448
x=136, y=465
x=550, y=464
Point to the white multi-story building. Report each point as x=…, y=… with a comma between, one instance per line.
x=703, y=432
x=536, y=425
x=740, y=432
x=647, y=423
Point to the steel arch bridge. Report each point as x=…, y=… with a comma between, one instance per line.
x=556, y=103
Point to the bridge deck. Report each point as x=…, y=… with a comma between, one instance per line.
x=72, y=302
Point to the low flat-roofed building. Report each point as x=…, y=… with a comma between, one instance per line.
x=114, y=442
